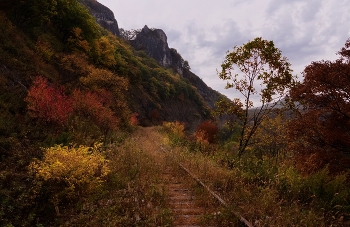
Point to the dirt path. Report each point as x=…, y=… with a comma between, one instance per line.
x=185, y=207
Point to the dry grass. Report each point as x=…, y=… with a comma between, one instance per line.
x=266, y=192
x=135, y=194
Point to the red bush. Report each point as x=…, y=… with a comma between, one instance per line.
x=207, y=131
x=95, y=107
x=134, y=119
x=48, y=102
x=319, y=134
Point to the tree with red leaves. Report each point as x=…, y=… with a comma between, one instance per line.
x=321, y=132
x=47, y=102
x=207, y=131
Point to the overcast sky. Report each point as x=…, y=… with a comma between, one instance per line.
x=204, y=30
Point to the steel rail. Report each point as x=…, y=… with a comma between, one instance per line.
x=241, y=218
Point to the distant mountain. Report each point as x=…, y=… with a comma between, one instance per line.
x=154, y=43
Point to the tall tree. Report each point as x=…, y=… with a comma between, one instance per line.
x=256, y=68
x=321, y=132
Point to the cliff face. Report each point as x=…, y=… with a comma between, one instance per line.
x=104, y=16
x=155, y=44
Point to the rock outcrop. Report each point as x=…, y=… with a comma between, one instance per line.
x=154, y=43
x=103, y=15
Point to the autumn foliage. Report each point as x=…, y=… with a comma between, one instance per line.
x=206, y=132
x=256, y=62
x=320, y=133
x=95, y=107
x=134, y=119
x=48, y=102
x=69, y=172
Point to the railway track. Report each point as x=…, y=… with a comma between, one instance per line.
x=182, y=202
x=216, y=196
x=178, y=181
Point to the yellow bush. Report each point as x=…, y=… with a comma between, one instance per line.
x=105, y=52
x=70, y=172
x=176, y=128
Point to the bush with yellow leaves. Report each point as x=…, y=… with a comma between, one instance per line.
x=176, y=132
x=70, y=173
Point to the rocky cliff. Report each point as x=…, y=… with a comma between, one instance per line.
x=104, y=16
x=154, y=43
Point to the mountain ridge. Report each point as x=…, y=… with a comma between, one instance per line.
x=154, y=43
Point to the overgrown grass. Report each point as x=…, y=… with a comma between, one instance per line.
x=266, y=191
x=126, y=191
x=131, y=196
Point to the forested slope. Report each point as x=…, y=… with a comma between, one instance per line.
x=66, y=80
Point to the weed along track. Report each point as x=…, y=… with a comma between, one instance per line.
x=190, y=201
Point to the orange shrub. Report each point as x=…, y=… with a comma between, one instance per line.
x=207, y=131
x=134, y=119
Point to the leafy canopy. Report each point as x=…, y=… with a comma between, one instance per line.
x=323, y=124
x=256, y=62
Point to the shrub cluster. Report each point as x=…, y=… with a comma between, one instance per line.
x=70, y=174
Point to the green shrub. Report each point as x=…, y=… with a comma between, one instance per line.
x=321, y=190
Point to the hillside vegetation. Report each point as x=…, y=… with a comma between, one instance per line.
x=74, y=151
x=65, y=80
